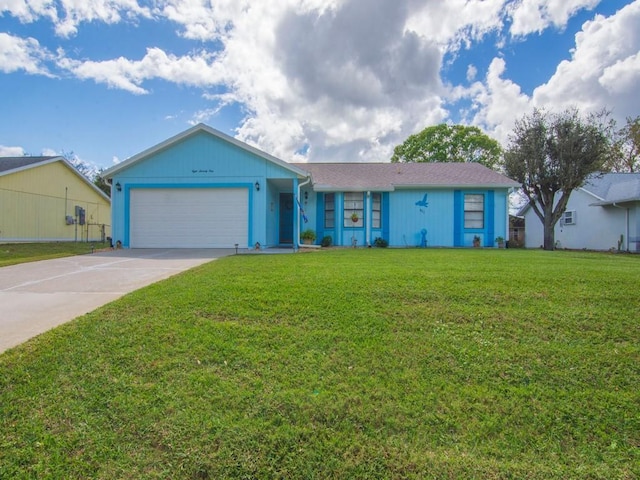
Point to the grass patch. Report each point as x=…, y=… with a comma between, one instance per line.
x=14, y=253
x=341, y=364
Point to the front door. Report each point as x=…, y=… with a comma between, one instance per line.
x=286, y=218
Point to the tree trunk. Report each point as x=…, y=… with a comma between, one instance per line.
x=549, y=233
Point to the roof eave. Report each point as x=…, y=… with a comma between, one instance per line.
x=335, y=189
x=458, y=185
x=391, y=188
x=605, y=203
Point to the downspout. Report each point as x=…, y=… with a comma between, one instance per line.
x=297, y=242
x=507, y=235
x=626, y=233
x=367, y=218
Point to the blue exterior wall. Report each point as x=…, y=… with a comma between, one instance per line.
x=206, y=161
x=409, y=219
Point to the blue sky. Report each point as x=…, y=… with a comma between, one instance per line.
x=304, y=80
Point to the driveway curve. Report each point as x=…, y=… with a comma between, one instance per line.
x=37, y=296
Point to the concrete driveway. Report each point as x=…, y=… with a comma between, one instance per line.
x=37, y=296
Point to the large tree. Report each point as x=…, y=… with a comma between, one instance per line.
x=449, y=143
x=101, y=183
x=553, y=154
x=626, y=152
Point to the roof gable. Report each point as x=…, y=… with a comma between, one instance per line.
x=11, y=165
x=111, y=172
x=390, y=176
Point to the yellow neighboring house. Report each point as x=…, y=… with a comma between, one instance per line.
x=45, y=199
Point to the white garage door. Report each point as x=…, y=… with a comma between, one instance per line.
x=189, y=218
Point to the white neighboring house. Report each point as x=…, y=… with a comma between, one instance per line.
x=603, y=214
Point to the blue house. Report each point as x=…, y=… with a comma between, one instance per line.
x=204, y=189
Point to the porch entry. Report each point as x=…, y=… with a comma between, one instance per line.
x=286, y=219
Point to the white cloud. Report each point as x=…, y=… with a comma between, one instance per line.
x=498, y=102
x=68, y=14
x=604, y=70
x=352, y=78
x=623, y=77
x=22, y=54
x=472, y=72
x=194, y=70
x=344, y=79
x=11, y=151
x=202, y=19
x=306, y=80
x=534, y=16
x=29, y=10
x=456, y=23
x=107, y=11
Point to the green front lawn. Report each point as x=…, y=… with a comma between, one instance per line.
x=341, y=364
x=14, y=253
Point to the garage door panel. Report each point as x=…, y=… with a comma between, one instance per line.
x=189, y=218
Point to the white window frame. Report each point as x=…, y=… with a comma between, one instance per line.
x=329, y=210
x=353, y=203
x=569, y=217
x=376, y=210
x=474, y=211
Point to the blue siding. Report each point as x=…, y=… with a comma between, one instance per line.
x=206, y=161
x=319, y=215
x=408, y=217
x=297, y=219
x=385, y=216
x=203, y=156
x=273, y=216
x=458, y=218
x=309, y=206
x=495, y=214
x=501, y=214
x=489, y=212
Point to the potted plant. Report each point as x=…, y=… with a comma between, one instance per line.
x=354, y=217
x=500, y=242
x=308, y=236
x=476, y=241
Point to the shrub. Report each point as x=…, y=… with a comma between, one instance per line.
x=326, y=241
x=380, y=242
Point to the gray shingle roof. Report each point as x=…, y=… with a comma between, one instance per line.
x=614, y=187
x=389, y=176
x=13, y=163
